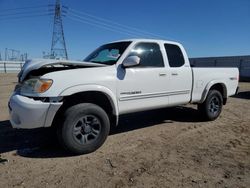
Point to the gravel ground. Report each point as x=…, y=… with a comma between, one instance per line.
x=161, y=148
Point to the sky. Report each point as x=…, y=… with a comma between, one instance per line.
x=204, y=27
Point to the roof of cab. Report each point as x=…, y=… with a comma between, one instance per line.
x=149, y=40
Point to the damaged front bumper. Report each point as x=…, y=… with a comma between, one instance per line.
x=27, y=113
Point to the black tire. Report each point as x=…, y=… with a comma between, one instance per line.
x=84, y=129
x=211, y=108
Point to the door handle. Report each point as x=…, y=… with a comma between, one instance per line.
x=162, y=74
x=174, y=74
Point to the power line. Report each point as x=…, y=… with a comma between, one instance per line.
x=25, y=17
x=20, y=13
x=100, y=26
x=128, y=28
x=20, y=8
x=104, y=25
x=78, y=16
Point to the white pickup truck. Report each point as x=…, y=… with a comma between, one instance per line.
x=82, y=99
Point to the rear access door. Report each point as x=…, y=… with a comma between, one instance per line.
x=179, y=75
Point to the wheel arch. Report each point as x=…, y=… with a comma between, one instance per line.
x=98, y=95
x=215, y=85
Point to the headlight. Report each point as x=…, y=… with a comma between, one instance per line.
x=36, y=85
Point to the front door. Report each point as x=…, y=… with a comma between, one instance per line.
x=143, y=87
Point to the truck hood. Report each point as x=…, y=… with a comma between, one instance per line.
x=54, y=65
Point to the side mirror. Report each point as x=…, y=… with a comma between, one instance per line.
x=131, y=61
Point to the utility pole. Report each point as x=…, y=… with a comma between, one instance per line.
x=58, y=46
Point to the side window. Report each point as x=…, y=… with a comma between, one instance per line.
x=175, y=56
x=149, y=53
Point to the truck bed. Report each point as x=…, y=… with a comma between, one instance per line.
x=203, y=78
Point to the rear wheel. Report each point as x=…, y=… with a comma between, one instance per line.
x=212, y=106
x=84, y=129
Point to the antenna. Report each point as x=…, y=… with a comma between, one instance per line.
x=58, y=46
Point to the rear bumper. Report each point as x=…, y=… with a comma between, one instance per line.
x=27, y=113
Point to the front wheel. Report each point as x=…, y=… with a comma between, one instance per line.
x=212, y=106
x=84, y=129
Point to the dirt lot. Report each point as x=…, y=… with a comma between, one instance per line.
x=161, y=148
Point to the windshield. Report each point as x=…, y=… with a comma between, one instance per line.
x=108, y=54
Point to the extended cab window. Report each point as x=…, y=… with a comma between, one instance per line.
x=175, y=56
x=149, y=54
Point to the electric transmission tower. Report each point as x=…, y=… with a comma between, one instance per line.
x=58, y=46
